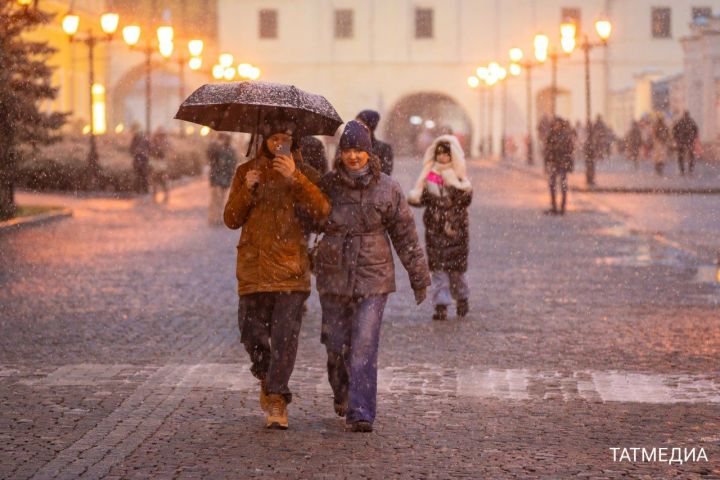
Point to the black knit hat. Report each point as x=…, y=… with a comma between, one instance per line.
x=357, y=136
x=371, y=118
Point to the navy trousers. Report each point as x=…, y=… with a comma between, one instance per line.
x=351, y=335
x=270, y=327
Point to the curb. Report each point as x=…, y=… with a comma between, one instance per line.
x=17, y=223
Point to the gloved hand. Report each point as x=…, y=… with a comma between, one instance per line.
x=420, y=295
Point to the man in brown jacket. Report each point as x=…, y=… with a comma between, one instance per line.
x=267, y=198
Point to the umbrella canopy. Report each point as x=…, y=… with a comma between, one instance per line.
x=241, y=106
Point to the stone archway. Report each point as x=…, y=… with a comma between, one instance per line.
x=416, y=119
x=128, y=99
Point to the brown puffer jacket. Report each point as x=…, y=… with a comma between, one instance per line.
x=354, y=257
x=272, y=253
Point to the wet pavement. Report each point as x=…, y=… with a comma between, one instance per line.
x=120, y=357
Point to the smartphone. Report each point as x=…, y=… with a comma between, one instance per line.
x=283, y=150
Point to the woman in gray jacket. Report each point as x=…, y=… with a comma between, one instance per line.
x=355, y=270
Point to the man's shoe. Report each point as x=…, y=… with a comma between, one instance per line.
x=277, y=414
x=361, y=426
x=463, y=307
x=264, y=403
x=440, y=313
x=340, y=408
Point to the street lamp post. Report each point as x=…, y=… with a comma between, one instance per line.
x=108, y=23
x=603, y=28
x=516, y=57
x=131, y=35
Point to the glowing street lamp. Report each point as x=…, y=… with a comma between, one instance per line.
x=229, y=73
x=131, y=35
x=166, y=49
x=542, y=44
x=473, y=81
x=195, y=47
x=516, y=54
x=218, y=72
x=515, y=69
x=165, y=34
x=70, y=24
x=603, y=27
x=226, y=60
x=109, y=22
x=195, y=63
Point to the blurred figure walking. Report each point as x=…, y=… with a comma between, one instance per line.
x=559, y=161
x=140, y=151
x=661, y=143
x=223, y=160
x=371, y=118
x=445, y=191
x=685, y=133
x=633, y=143
x=159, y=152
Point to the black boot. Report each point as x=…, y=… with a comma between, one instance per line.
x=440, y=312
x=463, y=307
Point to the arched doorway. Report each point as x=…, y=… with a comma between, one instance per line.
x=418, y=118
x=563, y=105
x=129, y=97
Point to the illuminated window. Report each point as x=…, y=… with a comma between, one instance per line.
x=661, y=22
x=423, y=23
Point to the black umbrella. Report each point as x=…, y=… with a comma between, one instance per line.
x=241, y=106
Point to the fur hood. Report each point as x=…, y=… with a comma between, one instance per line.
x=455, y=174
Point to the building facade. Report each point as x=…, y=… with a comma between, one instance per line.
x=407, y=55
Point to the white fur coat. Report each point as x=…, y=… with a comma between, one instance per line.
x=453, y=174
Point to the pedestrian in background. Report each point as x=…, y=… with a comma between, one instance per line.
x=559, y=161
x=661, y=144
x=633, y=143
x=222, y=159
x=371, y=118
x=159, y=153
x=685, y=133
x=273, y=267
x=445, y=192
x=140, y=151
x=355, y=270
x=313, y=153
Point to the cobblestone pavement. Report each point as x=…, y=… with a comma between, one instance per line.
x=119, y=355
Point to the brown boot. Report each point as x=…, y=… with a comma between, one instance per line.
x=264, y=403
x=277, y=414
x=440, y=313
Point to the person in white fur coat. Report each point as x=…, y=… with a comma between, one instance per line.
x=445, y=191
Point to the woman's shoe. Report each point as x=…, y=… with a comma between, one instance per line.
x=440, y=313
x=361, y=426
x=463, y=307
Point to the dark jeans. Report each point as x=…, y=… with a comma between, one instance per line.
x=554, y=175
x=683, y=152
x=141, y=165
x=270, y=326
x=351, y=334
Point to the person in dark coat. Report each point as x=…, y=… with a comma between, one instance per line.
x=313, y=153
x=382, y=150
x=444, y=189
x=273, y=266
x=559, y=160
x=140, y=151
x=685, y=132
x=355, y=270
x=222, y=159
x=633, y=143
x=661, y=143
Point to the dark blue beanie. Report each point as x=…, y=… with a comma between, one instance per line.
x=357, y=136
x=371, y=118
